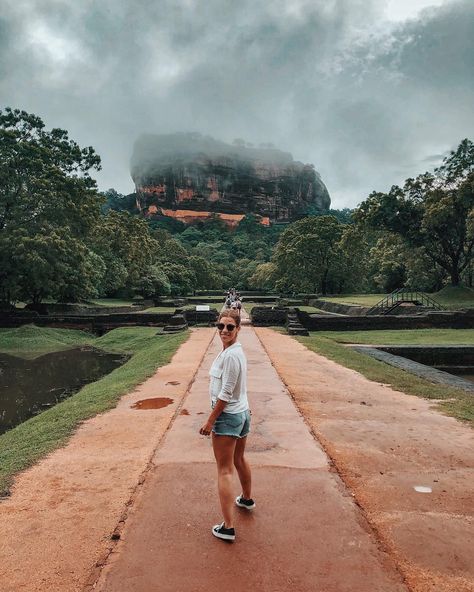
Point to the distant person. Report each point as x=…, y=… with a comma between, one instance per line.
x=228, y=303
x=229, y=423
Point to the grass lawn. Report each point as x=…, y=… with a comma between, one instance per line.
x=216, y=305
x=449, y=297
x=247, y=306
x=450, y=400
x=157, y=309
x=27, y=443
x=112, y=302
x=405, y=337
x=356, y=299
x=310, y=309
x=459, y=297
x=215, y=300
x=29, y=341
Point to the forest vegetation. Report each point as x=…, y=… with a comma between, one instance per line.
x=61, y=239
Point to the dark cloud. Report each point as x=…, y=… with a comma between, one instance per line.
x=364, y=100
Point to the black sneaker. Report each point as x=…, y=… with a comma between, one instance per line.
x=221, y=532
x=248, y=504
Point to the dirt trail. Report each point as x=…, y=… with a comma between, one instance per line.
x=306, y=534
x=385, y=443
x=55, y=529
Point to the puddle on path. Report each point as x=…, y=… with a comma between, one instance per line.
x=154, y=403
x=422, y=489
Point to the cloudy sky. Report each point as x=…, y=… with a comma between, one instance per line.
x=369, y=91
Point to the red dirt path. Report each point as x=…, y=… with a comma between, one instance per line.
x=312, y=530
x=384, y=443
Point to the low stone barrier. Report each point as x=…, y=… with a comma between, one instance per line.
x=434, y=355
x=338, y=308
x=62, y=308
x=446, y=320
x=95, y=323
x=265, y=316
x=440, y=374
x=201, y=317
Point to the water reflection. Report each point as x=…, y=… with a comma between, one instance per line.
x=28, y=387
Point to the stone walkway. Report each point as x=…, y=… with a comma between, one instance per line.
x=306, y=533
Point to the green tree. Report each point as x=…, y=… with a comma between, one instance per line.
x=44, y=176
x=205, y=273
x=47, y=196
x=308, y=254
x=263, y=277
x=154, y=282
x=52, y=263
x=351, y=274
x=118, y=202
x=433, y=211
x=388, y=263
x=124, y=243
x=182, y=279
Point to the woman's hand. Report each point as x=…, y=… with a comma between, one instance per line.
x=206, y=428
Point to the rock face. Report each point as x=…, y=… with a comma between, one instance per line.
x=198, y=175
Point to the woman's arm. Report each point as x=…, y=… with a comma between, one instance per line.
x=218, y=409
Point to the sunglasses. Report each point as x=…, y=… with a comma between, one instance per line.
x=222, y=326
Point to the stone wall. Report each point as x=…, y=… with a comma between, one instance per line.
x=448, y=320
x=94, y=323
x=264, y=316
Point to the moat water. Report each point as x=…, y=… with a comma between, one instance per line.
x=28, y=387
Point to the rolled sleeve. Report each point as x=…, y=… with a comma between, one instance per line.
x=230, y=376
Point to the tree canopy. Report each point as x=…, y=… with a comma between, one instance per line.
x=434, y=211
x=62, y=239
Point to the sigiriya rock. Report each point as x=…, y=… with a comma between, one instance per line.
x=189, y=176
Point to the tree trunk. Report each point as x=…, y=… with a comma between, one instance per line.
x=324, y=282
x=455, y=279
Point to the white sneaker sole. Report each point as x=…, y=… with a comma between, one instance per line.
x=237, y=503
x=225, y=537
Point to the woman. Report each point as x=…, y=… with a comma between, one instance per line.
x=229, y=422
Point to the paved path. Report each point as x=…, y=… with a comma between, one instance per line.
x=55, y=529
x=306, y=534
x=385, y=444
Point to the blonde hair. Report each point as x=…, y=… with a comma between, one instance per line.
x=231, y=314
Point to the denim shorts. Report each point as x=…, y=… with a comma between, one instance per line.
x=232, y=424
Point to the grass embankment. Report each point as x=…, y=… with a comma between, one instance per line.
x=355, y=299
x=405, y=337
x=310, y=309
x=450, y=400
x=249, y=305
x=38, y=436
x=459, y=297
x=31, y=342
x=157, y=309
x=111, y=302
x=449, y=297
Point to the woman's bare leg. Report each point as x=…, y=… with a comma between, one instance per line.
x=224, y=447
x=243, y=468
